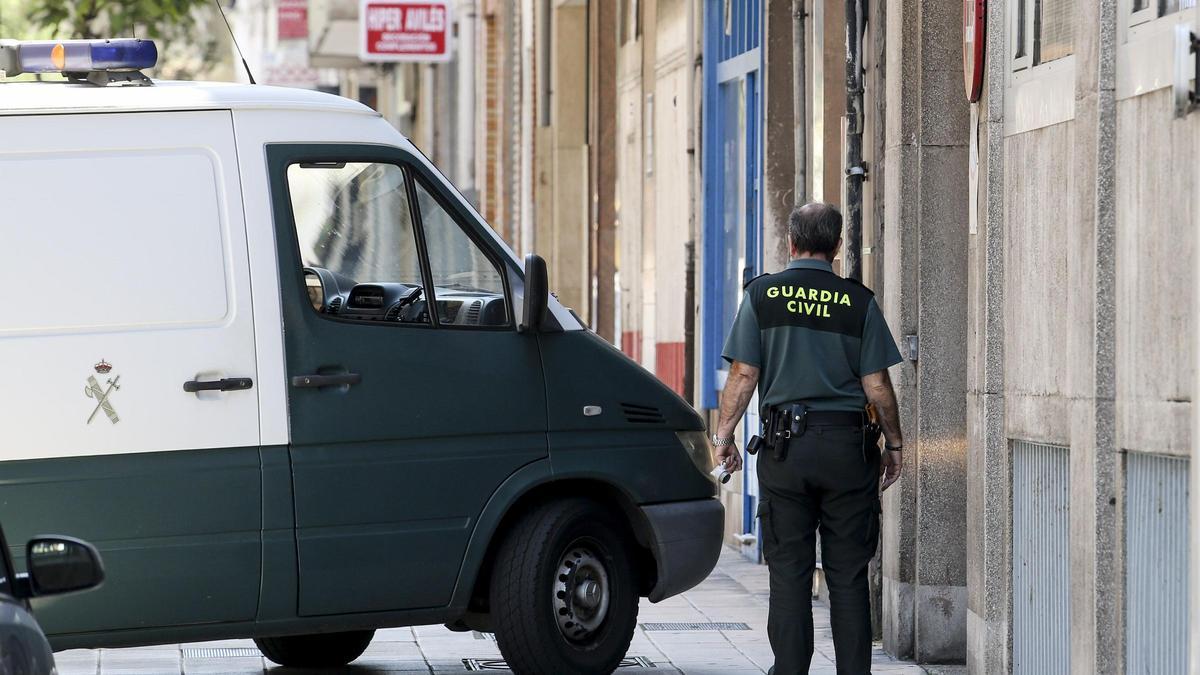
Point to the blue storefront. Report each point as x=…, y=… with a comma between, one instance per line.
x=732, y=215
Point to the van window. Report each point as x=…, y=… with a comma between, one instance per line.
x=468, y=285
x=357, y=242
x=93, y=259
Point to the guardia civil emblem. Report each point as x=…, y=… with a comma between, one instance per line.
x=103, y=395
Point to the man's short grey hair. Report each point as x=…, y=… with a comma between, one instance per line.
x=815, y=227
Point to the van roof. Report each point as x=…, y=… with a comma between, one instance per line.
x=24, y=98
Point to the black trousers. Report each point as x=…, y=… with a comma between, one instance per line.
x=827, y=482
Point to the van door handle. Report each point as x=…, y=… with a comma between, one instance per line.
x=225, y=384
x=339, y=380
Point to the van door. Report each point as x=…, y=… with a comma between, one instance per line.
x=412, y=396
x=126, y=276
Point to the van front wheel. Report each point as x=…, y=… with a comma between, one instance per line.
x=563, y=593
x=324, y=650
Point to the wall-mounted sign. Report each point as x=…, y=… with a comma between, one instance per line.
x=974, y=22
x=292, y=19
x=404, y=30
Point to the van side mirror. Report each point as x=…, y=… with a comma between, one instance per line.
x=537, y=293
x=62, y=565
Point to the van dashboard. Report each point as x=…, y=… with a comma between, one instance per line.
x=396, y=302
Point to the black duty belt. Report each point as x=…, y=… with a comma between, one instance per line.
x=784, y=422
x=834, y=418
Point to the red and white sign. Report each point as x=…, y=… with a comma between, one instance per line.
x=404, y=30
x=974, y=23
x=292, y=19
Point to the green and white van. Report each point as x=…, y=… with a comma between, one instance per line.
x=263, y=355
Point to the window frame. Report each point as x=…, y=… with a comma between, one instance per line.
x=1026, y=62
x=1148, y=23
x=1015, y=9
x=1037, y=95
x=1145, y=48
x=472, y=236
x=281, y=156
x=1138, y=17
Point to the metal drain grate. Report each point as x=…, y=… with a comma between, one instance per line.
x=499, y=664
x=219, y=652
x=695, y=626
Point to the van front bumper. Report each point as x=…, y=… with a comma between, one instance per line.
x=686, y=540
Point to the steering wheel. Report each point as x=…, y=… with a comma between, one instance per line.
x=413, y=296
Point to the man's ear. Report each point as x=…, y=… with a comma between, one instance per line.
x=836, y=249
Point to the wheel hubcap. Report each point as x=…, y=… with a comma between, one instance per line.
x=581, y=592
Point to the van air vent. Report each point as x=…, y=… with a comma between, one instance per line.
x=335, y=306
x=393, y=313
x=642, y=414
x=473, y=312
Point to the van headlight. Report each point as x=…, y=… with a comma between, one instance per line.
x=696, y=445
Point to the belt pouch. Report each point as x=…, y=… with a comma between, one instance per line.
x=797, y=419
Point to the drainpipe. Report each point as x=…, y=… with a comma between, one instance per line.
x=799, y=102
x=856, y=171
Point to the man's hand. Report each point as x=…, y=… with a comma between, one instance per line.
x=730, y=455
x=878, y=388
x=890, y=466
x=739, y=388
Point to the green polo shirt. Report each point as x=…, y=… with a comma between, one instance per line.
x=813, y=335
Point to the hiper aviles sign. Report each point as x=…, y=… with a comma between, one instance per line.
x=404, y=30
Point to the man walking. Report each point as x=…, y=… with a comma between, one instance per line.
x=818, y=348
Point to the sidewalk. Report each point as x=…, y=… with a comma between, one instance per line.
x=735, y=593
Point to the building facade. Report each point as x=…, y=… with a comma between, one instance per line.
x=1081, y=411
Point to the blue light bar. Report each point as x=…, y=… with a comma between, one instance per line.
x=83, y=56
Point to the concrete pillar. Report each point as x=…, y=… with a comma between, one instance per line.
x=832, y=54
x=779, y=163
x=568, y=177
x=629, y=192
x=466, y=65
x=924, y=572
x=524, y=199
x=603, y=30
x=1097, y=584
x=989, y=501
x=874, y=210
x=1194, y=462
x=648, y=180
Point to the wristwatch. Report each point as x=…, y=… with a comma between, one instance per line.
x=898, y=448
x=719, y=442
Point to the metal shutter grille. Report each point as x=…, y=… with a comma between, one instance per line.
x=1041, y=577
x=1156, y=556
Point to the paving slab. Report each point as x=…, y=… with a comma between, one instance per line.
x=736, y=592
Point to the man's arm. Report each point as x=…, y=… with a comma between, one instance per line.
x=878, y=387
x=739, y=388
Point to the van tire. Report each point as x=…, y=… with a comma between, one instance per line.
x=526, y=607
x=323, y=650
